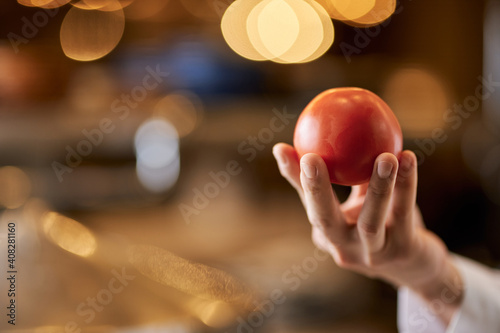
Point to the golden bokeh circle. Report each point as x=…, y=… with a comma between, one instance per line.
x=183, y=109
x=283, y=31
x=311, y=34
x=274, y=27
x=145, y=9
x=379, y=11
x=328, y=32
x=418, y=98
x=15, y=187
x=234, y=29
x=353, y=9
x=382, y=10
x=88, y=35
x=102, y=5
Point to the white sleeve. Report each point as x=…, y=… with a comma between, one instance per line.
x=479, y=312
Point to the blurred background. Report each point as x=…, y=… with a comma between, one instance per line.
x=136, y=165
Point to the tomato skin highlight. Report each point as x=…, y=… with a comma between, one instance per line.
x=348, y=128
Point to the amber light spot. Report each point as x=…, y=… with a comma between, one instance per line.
x=88, y=35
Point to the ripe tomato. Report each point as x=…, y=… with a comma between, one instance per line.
x=348, y=128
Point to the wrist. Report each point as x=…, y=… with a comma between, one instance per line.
x=434, y=276
x=444, y=291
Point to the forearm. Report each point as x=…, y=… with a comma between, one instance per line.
x=430, y=272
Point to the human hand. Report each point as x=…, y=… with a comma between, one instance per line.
x=378, y=231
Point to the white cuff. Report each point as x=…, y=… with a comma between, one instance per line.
x=480, y=310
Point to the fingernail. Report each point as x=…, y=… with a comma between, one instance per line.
x=309, y=170
x=384, y=169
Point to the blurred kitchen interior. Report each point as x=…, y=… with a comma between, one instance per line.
x=124, y=162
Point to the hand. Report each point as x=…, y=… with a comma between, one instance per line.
x=378, y=231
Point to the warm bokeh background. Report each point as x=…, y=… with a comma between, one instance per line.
x=143, y=203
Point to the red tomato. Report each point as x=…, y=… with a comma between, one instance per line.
x=348, y=128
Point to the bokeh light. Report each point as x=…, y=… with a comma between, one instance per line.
x=27, y=3
x=88, y=35
x=353, y=9
x=380, y=12
x=157, y=152
x=189, y=277
x=18, y=76
x=329, y=6
x=69, y=234
x=216, y=314
x=183, y=109
x=273, y=27
x=419, y=100
x=315, y=36
x=15, y=187
x=360, y=13
x=40, y=3
x=49, y=3
x=144, y=9
x=103, y=5
x=234, y=29
x=208, y=10
x=43, y=3
x=328, y=32
x=283, y=31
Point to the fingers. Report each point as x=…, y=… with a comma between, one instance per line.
x=371, y=220
x=391, y=190
x=355, y=199
x=359, y=190
x=405, y=193
x=288, y=164
x=312, y=182
x=323, y=208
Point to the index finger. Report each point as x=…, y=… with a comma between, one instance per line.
x=323, y=207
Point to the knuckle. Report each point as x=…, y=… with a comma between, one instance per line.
x=380, y=189
x=319, y=243
x=368, y=229
x=401, y=213
x=314, y=189
x=403, y=181
x=318, y=239
x=320, y=222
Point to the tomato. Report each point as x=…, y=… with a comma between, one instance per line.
x=348, y=128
